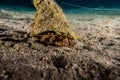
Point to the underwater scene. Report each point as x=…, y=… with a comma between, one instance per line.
x=59, y=39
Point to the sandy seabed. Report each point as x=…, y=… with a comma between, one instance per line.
x=96, y=56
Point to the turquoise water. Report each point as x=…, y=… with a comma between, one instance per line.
x=16, y=8
x=99, y=12
x=102, y=11
x=78, y=8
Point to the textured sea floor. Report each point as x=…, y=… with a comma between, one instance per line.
x=96, y=56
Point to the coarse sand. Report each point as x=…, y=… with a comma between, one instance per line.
x=96, y=56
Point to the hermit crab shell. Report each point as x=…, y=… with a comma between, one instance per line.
x=51, y=21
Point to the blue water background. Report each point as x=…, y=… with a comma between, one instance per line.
x=110, y=7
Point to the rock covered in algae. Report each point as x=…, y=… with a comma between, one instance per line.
x=50, y=25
